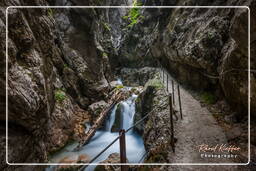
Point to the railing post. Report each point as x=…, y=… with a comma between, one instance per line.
x=180, y=101
x=173, y=92
x=122, y=150
x=163, y=74
x=167, y=82
x=171, y=122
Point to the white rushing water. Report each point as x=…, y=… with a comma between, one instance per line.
x=134, y=143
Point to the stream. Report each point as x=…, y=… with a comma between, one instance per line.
x=134, y=143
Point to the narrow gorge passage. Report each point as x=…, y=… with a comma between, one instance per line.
x=198, y=127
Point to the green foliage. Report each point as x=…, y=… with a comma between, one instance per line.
x=59, y=95
x=50, y=12
x=208, y=98
x=104, y=54
x=134, y=14
x=106, y=26
x=65, y=65
x=155, y=83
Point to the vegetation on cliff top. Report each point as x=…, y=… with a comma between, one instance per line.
x=134, y=14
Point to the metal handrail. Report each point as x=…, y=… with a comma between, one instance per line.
x=110, y=144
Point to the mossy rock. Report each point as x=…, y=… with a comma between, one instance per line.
x=60, y=95
x=155, y=83
x=119, y=87
x=208, y=98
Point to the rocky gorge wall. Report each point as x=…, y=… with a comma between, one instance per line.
x=206, y=49
x=57, y=67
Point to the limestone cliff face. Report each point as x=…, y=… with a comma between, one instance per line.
x=57, y=67
x=206, y=49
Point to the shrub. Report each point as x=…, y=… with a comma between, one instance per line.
x=59, y=95
x=134, y=14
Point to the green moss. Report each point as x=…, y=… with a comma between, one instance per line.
x=119, y=86
x=208, y=98
x=134, y=14
x=150, y=124
x=60, y=95
x=65, y=65
x=104, y=54
x=155, y=83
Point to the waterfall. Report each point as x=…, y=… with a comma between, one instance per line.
x=135, y=149
x=119, y=81
x=127, y=113
x=111, y=120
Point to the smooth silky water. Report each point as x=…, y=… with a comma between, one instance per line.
x=134, y=143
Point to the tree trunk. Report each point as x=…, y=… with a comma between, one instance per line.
x=116, y=98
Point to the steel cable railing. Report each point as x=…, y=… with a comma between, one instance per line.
x=110, y=144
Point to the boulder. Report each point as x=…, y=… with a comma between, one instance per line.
x=96, y=108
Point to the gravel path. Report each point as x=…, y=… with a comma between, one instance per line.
x=198, y=127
